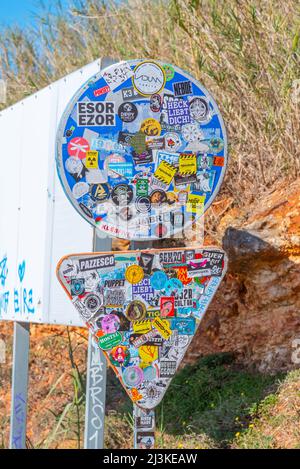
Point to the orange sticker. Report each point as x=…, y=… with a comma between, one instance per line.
x=218, y=161
x=183, y=276
x=135, y=395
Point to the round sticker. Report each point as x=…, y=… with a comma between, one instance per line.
x=149, y=78
x=127, y=112
x=119, y=356
x=78, y=147
x=122, y=194
x=92, y=302
x=141, y=119
x=151, y=127
x=133, y=376
x=110, y=323
x=134, y=274
x=158, y=280
x=136, y=311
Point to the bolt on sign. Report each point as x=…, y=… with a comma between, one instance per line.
x=135, y=136
x=141, y=143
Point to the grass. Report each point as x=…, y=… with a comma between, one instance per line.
x=246, y=53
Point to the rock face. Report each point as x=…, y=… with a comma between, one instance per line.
x=256, y=312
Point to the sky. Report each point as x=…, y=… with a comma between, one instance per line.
x=21, y=12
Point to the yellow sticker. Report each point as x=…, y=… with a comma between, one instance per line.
x=163, y=327
x=134, y=274
x=187, y=164
x=148, y=353
x=91, y=159
x=195, y=203
x=165, y=172
x=151, y=127
x=142, y=327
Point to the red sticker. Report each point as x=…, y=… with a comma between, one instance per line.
x=167, y=306
x=103, y=90
x=78, y=147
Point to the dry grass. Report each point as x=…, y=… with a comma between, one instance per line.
x=247, y=53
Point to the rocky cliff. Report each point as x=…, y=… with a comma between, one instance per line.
x=256, y=312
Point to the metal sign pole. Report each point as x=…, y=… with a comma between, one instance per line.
x=19, y=388
x=96, y=364
x=144, y=428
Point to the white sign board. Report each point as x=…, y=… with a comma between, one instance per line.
x=38, y=225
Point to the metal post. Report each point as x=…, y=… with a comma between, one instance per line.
x=19, y=388
x=144, y=427
x=96, y=362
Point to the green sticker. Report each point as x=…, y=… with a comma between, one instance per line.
x=142, y=187
x=108, y=341
x=169, y=71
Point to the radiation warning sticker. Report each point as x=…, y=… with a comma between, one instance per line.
x=187, y=164
x=147, y=331
x=91, y=159
x=140, y=115
x=165, y=172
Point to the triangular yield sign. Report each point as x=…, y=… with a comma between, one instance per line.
x=143, y=308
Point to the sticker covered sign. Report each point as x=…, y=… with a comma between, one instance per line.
x=143, y=308
x=141, y=141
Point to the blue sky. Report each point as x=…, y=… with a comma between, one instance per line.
x=21, y=12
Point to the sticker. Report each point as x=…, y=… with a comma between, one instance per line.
x=142, y=187
x=148, y=353
x=145, y=440
x=119, y=356
x=129, y=94
x=169, y=71
x=115, y=297
x=96, y=114
x=143, y=204
x=99, y=192
x=127, y=112
x=142, y=327
x=155, y=143
x=97, y=262
x=110, y=323
x=182, y=88
x=92, y=302
x=162, y=326
x=167, y=304
x=146, y=262
x=77, y=286
x=91, y=159
x=172, y=141
x=136, y=311
x=149, y=78
x=185, y=326
x=199, y=110
x=187, y=164
x=151, y=127
x=155, y=102
x=165, y=172
x=78, y=147
x=133, y=376
x=167, y=368
x=80, y=189
x=103, y=90
x=117, y=74
x=158, y=197
x=195, y=203
x=122, y=194
x=134, y=274
x=109, y=341
x=218, y=161
x=135, y=395
x=178, y=112
x=158, y=280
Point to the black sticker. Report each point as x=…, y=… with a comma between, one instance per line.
x=122, y=195
x=99, y=262
x=96, y=113
x=146, y=262
x=77, y=286
x=127, y=112
x=182, y=88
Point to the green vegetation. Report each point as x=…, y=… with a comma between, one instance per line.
x=246, y=53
